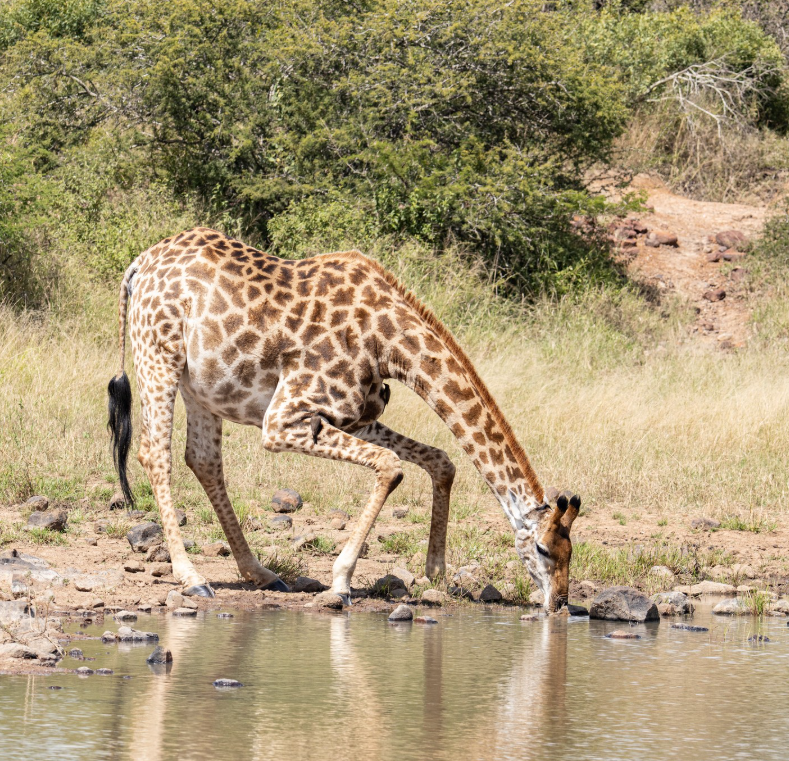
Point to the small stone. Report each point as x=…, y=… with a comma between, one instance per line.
x=731, y=239
x=133, y=566
x=460, y=592
x=704, y=524
x=712, y=588
x=529, y=617
x=286, y=501
x=180, y=516
x=758, y=638
x=713, y=256
x=38, y=503
x=76, y=653
x=161, y=569
x=185, y=612
x=84, y=671
x=622, y=634
x=302, y=541
x=225, y=684
x=405, y=576
x=719, y=294
x=401, y=613
x=661, y=238
x=433, y=597
x=104, y=672
x=338, y=524
x=109, y=637
x=489, y=594
x=328, y=600
x=125, y=615
x=145, y=607
x=399, y=512
x=100, y=526
x=623, y=604
x=588, y=588
x=144, y=536
x=576, y=610
x=91, y=541
x=174, y=599
x=127, y=634
x=160, y=655
x=661, y=571
x=422, y=581
x=388, y=584
x=225, y=615
x=118, y=501
x=54, y=687
x=731, y=607
x=336, y=513
x=189, y=544
x=666, y=609
x=425, y=620
x=306, y=584
x=216, y=550
x=280, y=522
x=158, y=554
x=689, y=628
x=54, y=520
x=397, y=594
x=94, y=602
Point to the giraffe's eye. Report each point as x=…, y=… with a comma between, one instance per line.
x=543, y=550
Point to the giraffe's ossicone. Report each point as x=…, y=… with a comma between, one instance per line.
x=302, y=350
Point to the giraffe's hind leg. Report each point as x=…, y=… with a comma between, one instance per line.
x=158, y=386
x=204, y=458
x=287, y=428
x=442, y=473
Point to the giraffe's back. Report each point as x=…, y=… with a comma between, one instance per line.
x=246, y=321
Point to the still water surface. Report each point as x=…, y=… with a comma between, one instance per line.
x=479, y=685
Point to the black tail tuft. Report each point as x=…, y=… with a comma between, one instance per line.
x=119, y=406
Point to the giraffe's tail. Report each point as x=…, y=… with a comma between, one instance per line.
x=120, y=398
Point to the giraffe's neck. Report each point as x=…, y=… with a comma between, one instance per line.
x=445, y=378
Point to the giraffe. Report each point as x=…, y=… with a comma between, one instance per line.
x=302, y=350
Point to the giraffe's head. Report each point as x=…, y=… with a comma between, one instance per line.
x=544, y=546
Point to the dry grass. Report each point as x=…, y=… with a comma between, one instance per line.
x=674, y=434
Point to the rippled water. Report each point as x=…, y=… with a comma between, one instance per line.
x=479, y=685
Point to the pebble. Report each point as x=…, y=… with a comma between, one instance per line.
x=433, y=597
x=160, y=655
x=622, y=634
x=161, y=569
x=184, y=612
x=226, y=683
x=216, y=549
x=399, y=512
x=689, y=628
x=91, y=541
x=104, y=672
x=224, y=615
x=529, y=617
x=84, y=671
x=758, y=638
x=401, y=613
x=425, y=620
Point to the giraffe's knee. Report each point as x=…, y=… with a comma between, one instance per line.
x=444, y=469
x=390, y=471
x=143, y=457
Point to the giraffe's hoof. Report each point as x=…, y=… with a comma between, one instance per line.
x=199, y=590
x=277, y=586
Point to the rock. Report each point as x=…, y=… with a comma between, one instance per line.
x=529, y=617
x=185, y=612
x=638, y=226
x=661, y=238
x=713, y=256
x=280, y=522
x=731, y=239
x=133, y=566
x=14, y=610
x=306, y=584
x=125, y=615
x=17, y=651
x=225, y=615
x=731, y=607
x=161, y=569
x=145, y=607
x=303, y=541
x=158, y=554
x=54, y=520
x=90, y=541
x=174, y=599
x=84, y=671
x=730, y=255
x=425, y=620
x=286, y=501
x=662, y=572
x=422, y=581
x=387, y=584
x=489, y=594
x=758, y=638
x=76, y=653
x=225, y=684
x=462, y=592
x=401, y=613
x=405, y=576
x=337, y=513
x=623, y=604
x=666, y=609
x=396, y=594
x=144, y=536
x=780, y=606
x=104, y=672
x=623, y=634
x=536, y=597
x=466, y=578
x=689, y=628
x=118, y=501
x=328, y=600
x=704, y=524
x=180, y=516
x=216, y=550
x=576, y=610
x=189, y=544
x=588, y=588
x=718, y=294
x=127, y=634
x=338, y=524
x=678, y=600
x=100, y=526
x=746, y=571
x=37, y=503
x=433, y=597
x=19, y=589
x=160, y=655
x=109, y=637
x=712, y=588
x=738, y=274
x=399, y=512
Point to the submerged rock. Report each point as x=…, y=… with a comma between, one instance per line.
x=185, y=612
x=678, y=600
x=160, y=655
x=401, y=613
x=227, y=683
x=623, y=634
x=425, y=620
x=689, y=628
x=127, y=634
x=623, y=604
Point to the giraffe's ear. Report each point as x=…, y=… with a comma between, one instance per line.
x=571, y=513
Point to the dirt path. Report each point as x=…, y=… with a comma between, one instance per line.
x=685, y=268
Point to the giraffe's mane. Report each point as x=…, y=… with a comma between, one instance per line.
x=429, y=318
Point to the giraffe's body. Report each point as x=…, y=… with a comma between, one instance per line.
x=302, y=350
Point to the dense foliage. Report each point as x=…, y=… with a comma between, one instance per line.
x=299, y=125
